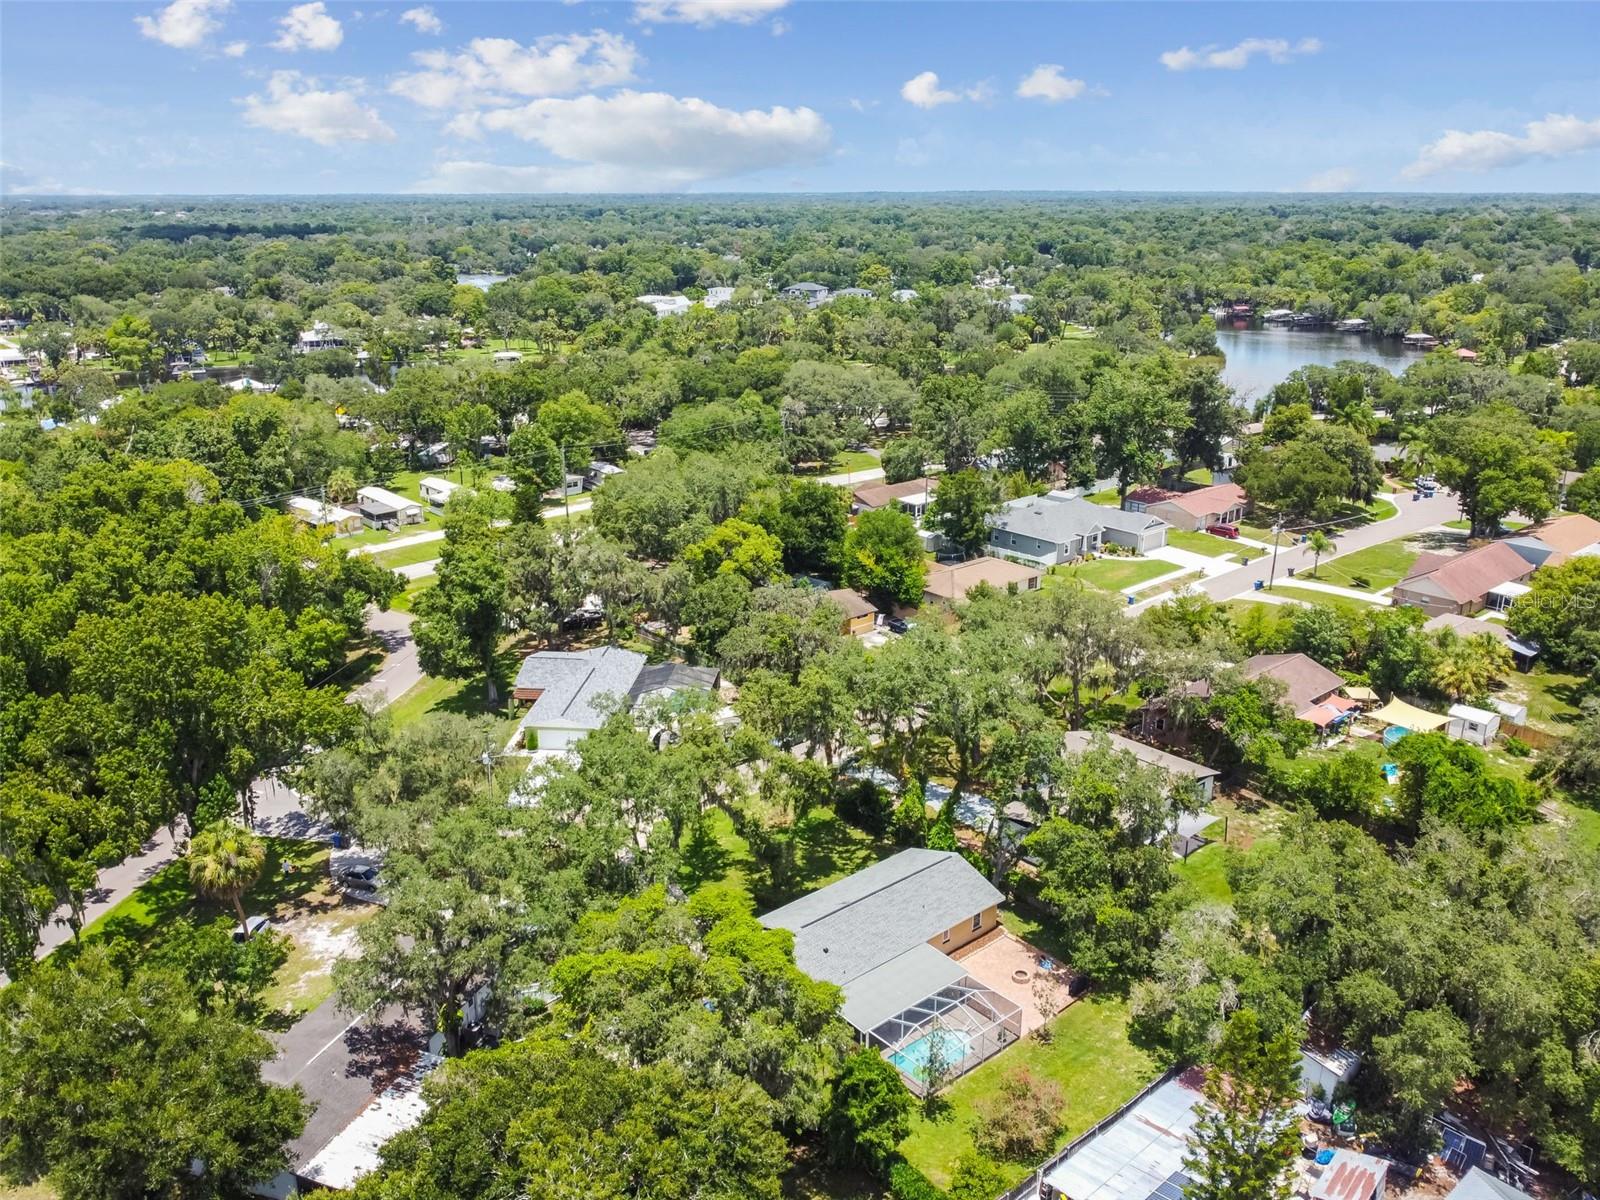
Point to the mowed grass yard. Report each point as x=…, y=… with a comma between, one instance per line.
x=1344, y=604
x=1111, y=574
x=1374, y=568
x=1210, y=545
x=302, y=903
x=465, y=697
x=828, y=849
x=1089, y=1057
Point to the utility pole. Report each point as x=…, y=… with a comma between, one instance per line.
x=1272, y=572
x=566, y=492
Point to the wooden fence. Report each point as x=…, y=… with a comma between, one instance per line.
x=1537, y=738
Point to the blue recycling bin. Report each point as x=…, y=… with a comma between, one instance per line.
x=1260, y=585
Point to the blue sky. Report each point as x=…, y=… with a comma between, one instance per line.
x=241, y=96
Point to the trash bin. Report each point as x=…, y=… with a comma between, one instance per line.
x=1131, y=600
x=1259, y=585
x=338, y=841
x=1291, y=572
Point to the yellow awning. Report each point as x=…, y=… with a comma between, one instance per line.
x=1356, y=692
x=1407, y=716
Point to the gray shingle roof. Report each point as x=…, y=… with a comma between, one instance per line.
x=679, y=677
x=1079, y=740
x=1060, y=519
x=573, y=681
x=848, y=928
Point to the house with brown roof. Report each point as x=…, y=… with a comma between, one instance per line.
x=1219, y=504
x=947, y=583
x=860, y=614
x=911, y=496
x=1310, y=690
x=1461, y=583
x=1551, y=542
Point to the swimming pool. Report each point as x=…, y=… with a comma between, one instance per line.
x=912, y=1058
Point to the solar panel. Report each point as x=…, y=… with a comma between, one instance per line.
x=1172, y=1189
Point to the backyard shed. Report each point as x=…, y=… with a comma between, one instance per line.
x=1475, y=725
x=1517, y=714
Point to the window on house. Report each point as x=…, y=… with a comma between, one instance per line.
x=977, y=920
x=946, y=937
x=1161, y=723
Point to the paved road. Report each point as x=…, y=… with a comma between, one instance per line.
x=1414, y=516
x=277, y=807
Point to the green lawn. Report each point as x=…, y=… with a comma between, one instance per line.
x=1381, y=566
x=1206, y=872
x=464, y=696
x=1210, y=545
x=1346, y=604
x=406, y=556
x=828, y=850
x=373, y=537
x=406, y=600
x=1089, y=1057
x=1552, y=697
x=1110, y=497
x=1171, y=585
x=851, y=460
x=1111, y=574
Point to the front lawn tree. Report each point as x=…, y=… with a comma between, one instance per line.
x=1498, y=462
x=883, y=557
x=1134, y=421
x=1244, y=1144
x=459, y=620
x=225, y=861
x=961, y=507
x=1319, y=543
x=114, y=1086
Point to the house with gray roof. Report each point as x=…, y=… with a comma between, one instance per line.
x=1478, y=1184
x=886, y=936
x=1058, y=528
x=565, y=691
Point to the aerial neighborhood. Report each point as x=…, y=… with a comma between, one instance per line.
x=1038, y=695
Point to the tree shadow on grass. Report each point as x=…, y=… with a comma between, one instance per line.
x=704, y=859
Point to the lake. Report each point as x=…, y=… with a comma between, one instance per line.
x=1263, y=356
x=481, y=282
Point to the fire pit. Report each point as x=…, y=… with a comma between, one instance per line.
x=1020, y=975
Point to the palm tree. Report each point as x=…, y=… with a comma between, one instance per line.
x=1414, y=448
x=225, y=860
x=1319, y=543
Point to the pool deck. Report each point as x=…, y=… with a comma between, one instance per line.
x=991, y=960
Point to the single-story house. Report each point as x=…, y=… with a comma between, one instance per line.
x=507, y=356
x=885, y=936
x=812, y=293
x=948, y=583
x=564, y=689
x=319, y=337
x=1219, y=504
x=436, y=491
x=318, y=514
x=665, y=306
x=1204, y=778
x=860, y=614
x=1523, y=652
x=598, y=472
x=1552, y=542
x=1310, y=690
x=1349, y=1175
x=406, y=512
x=716, y=297
x=377, y=514
x=859, y=293
x=903, y=295
x=1460, y=584
x=1476, y=725
x=1478, y=1184
x=1057, y=528
x=911, y=496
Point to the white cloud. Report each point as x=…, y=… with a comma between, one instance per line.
x=423, y=19
x=1046, y=82
x=1334, y=179
x=705, y=12
x=635, y=141
x=924, y=91
x=919, y=151
x=498, y=70
x=1555, y=135
x=862, y=106
x=236, y=49
x=14, y=181
x=184, y=24
x=309, y=27
x=1234, y=58
x=295, y=104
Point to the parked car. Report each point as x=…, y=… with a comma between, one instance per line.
x=583, y=618
x=358, y=877
x=898, y=625
x=252, y=926
x=1223, y=530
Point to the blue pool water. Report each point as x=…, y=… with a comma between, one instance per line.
x=912, y=1058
